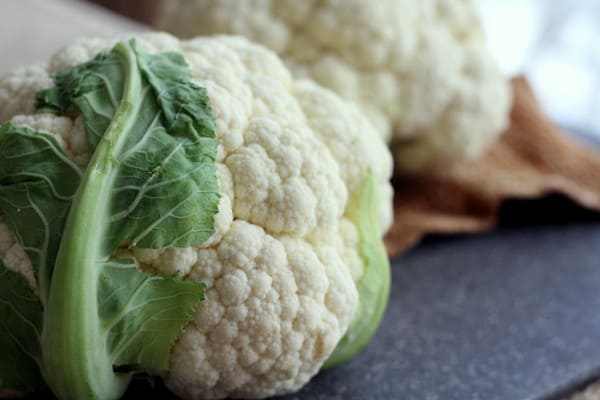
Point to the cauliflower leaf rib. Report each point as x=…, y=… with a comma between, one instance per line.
x=37, y=185
x=161, y=136
x=151, y=183
x=135, y=308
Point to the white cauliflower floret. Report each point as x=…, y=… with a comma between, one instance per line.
x=13, y=256
x=18, y=89
x=419, y=69
x=274, y=309
x=70, y=134
x=281, y=267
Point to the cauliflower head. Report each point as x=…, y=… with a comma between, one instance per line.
x=283, y=264
x=419, y=69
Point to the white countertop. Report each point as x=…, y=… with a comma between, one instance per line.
x=31, y=30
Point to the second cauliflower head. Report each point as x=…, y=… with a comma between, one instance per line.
x=419, y=69
x=283, y=267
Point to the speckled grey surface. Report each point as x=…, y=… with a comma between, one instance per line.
x=512, y=315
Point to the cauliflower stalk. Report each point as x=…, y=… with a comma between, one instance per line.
x=187, y=209
x=419, y=69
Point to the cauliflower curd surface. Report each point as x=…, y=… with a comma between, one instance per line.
x=419, y=69
x=281, y=267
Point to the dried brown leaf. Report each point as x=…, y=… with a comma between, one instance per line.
x=532, y=158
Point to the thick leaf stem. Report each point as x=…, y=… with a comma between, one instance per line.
x=76, y=362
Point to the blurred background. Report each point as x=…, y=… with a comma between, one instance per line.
x=553, y=43
x=556, y=45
